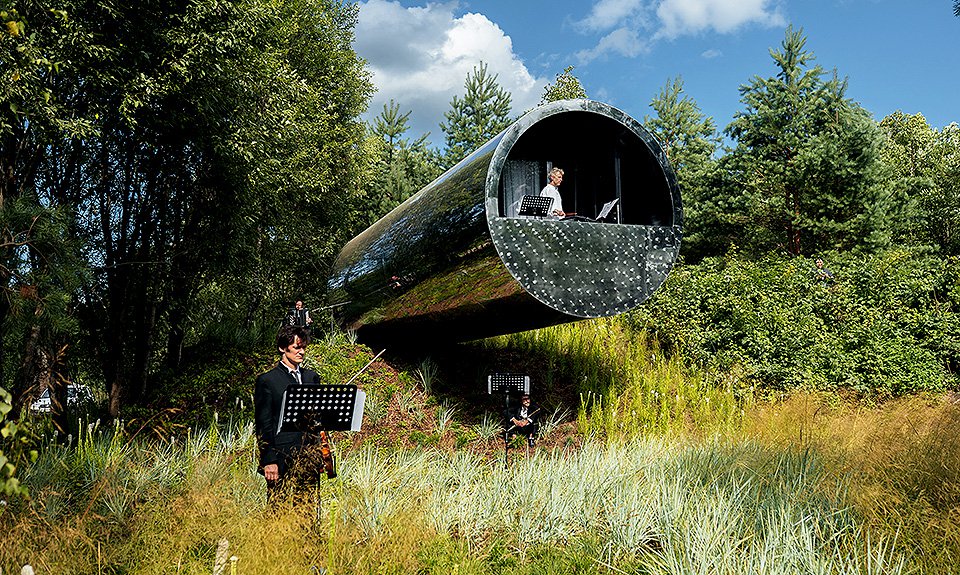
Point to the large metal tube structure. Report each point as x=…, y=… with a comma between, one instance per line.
x=456, y=262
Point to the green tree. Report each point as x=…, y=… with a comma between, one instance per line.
x=807, y=160
x=565, y=87
x=482, y=113
x=925, y=166
x=15, y=448
x=40, y=264
x=690, y=141
x=219, y=135
x=401, y=167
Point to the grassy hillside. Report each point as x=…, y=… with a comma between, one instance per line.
x=716, y=482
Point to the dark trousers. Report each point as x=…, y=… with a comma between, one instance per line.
x=529, y=431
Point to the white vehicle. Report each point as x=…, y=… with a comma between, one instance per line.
x=76, y=394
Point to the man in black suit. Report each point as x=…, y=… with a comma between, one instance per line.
x=299, y=315
x=278, y=450
x=523, y=420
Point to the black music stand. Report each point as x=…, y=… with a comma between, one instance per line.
x=315, y=408
x=506, y=383
x=536, y=206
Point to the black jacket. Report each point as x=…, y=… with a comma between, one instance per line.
x=267, y=400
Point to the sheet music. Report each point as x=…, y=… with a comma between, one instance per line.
x=606, y=208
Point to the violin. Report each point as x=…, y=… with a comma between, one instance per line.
x=527, y=419
x=326, y=456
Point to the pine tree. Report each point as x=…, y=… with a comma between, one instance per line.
x=402, y=167
x=689, y=139
x=482, y=113
x=806, y=164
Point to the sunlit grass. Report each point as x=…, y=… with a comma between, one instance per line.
x=668, y=506
x=902, y=458
x=673, y=471
x=627, y=387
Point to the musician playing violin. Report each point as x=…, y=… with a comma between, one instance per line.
x=278, y=451
x=523, y=420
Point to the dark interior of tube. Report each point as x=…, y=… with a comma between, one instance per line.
x=602, y=160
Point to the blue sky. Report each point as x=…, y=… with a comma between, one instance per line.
x=896, y=55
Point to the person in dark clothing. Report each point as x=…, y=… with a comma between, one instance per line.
x=824, y=275
x=299, y=315
x=523, y=420
x=278, y=451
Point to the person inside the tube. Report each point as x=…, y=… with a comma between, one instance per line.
x=550, y=190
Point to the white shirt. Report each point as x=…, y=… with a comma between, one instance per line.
x=551, y=191
x=295, y=373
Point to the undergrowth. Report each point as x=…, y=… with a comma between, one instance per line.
x=662, y=469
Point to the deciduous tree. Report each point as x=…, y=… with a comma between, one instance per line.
x=565, y=87
x=222, y=141
x=925, y=165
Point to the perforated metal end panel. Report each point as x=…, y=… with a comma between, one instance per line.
x=586, y=269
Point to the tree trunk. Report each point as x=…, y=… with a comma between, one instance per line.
x=26, y=379
x=117, y=389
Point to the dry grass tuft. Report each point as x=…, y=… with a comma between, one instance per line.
x=900, y=460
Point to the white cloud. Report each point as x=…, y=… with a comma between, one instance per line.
x=683, y=17
x=621, y=42
x=420, y=57
x=711, y=54
x=623, y=22
x=607, y=14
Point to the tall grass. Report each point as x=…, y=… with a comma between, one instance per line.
x=626, y=385
x=902, y=459
x=659, y=506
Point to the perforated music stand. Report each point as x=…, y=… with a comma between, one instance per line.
x=312, y=408
x=507, y=383
x=537, y=206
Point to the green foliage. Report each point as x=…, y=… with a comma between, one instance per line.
x=180, y=141
x=482, y=113
x=565, y=87
x=427, y=374
x=624, y=386
x=925, y=165
x=15, y=449
x=40, y=271
x=400, y=167
x=688, y=137
x=806, y=164
x=690, y=140
x=886, y=325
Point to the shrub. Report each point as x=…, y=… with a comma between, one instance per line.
x=885, y=325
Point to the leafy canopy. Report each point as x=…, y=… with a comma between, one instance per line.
x=565, y=87
x=806, y=164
